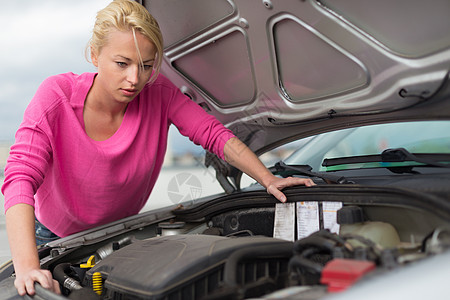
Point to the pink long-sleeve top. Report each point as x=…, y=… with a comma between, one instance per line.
x=76, y=183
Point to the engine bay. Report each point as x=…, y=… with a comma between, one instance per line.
x=227, y=248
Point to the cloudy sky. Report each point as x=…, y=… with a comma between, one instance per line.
x=40, y=39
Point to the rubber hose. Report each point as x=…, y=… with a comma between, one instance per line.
x=59, y=273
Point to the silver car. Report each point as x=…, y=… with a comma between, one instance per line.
x=358, y=93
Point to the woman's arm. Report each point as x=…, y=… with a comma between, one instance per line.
x=22, y=241
x=241, y=157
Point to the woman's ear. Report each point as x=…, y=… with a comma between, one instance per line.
x=94, y=57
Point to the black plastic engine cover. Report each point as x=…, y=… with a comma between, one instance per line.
x=193, y=266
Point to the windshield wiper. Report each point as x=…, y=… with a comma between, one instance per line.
x=288, y=170
x=392, y=155
x=401, y=154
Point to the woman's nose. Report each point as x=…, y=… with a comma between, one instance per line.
x=133, y=75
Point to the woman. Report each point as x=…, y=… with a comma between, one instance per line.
x=91, y=146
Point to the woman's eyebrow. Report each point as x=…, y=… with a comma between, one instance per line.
x=129, y=59
x=149, y=60
x=123, y=57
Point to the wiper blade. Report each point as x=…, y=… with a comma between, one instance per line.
x=401, y=154
x=392, y=155
x=281, y=167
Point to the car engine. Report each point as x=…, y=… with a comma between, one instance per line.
x=229, y=248
x=232, y=254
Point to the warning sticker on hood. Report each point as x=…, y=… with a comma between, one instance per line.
x=284, y=226
x=307, y=218
x=311, y=216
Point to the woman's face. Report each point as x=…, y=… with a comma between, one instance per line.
x=120, y=75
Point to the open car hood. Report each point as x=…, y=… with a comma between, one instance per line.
x=276, y=71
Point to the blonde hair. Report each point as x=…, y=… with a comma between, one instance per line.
x=127, y=15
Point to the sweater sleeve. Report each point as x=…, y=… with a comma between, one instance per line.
x=200, y=127
x=30, y=155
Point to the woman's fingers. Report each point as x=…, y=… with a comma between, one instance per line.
x=56, y=288
x=280, y=183
x=293, y=181
x=21, y=289
x=272, y=189
x=25, y=283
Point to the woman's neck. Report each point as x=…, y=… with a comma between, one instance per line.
x=102, y=117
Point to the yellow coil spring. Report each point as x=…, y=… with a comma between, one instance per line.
x=97, y=283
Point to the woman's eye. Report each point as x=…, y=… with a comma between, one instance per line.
x=121, y=64
x=148, y=67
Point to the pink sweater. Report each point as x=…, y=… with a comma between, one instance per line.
x=76, y=183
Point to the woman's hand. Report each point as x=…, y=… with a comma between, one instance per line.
x=275, y=184
x=22, y=242
x=240, y=156
x=24, y=282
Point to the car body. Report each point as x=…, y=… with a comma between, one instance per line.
x=365, y=85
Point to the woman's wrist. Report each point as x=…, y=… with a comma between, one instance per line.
x=266, y=179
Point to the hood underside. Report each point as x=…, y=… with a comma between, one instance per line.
x=275, y=71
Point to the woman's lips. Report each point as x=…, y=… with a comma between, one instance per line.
x=129, y=92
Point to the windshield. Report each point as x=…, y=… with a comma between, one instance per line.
x=416, y=137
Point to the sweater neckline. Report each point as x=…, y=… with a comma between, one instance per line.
x=123, y=129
